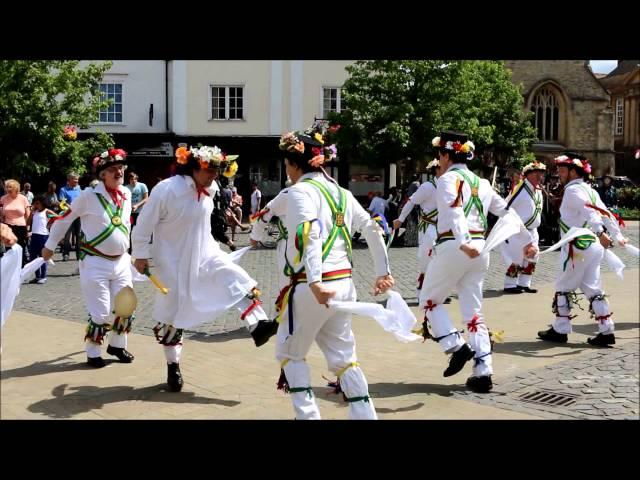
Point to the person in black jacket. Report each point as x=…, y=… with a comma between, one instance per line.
x=218, y=219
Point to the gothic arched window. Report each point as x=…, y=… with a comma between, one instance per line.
x=546, y=108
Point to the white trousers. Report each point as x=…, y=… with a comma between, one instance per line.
x=426, y=241
x=173, y=353
x=101, y=280
x=582, y=272
x=513, y=254
x=452, y=268
x=332, y=332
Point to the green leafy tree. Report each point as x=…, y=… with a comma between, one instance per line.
x=37, y=100
x=395, y=108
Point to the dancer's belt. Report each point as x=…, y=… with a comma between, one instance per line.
x=86, y=249
x=286, y=294
x=448, y=235
x=428, y=219
x=326, y=276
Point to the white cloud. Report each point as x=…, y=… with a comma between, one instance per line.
x=603, y=66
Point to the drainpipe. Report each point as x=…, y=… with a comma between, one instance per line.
x=166, y=94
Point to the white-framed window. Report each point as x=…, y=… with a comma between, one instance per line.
x=619, y=116
x=227, y=102
x=332, y=101
x=546, y=108
x=113, y=112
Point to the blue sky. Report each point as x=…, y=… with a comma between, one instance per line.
x=603, y=66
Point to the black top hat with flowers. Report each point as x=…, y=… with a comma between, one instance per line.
x=113, y=156
x=312, y=143
x=573, y=160
x=456, y=143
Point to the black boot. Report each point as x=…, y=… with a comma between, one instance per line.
x=513, y=290
x=447, y=301
x=458, y=359
x=552, y=336
x=602, y=340
x=121, y=353
x=264, y=331
x=95, y=362
x=529, y=290
x=174, y=377
x=481, y=384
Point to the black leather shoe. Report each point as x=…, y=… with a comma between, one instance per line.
x=95, y=362
x=447, y=301
x=513, y=290
x=552, y=336
x=174, y=377
x=480, y=384
x=264, y=331
x=529, y=290
x=602, y=340
x=121, y=353
x=458, y=359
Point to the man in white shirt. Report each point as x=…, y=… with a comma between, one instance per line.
x=256, y=199
x=320, y=216
x=526, y=201
x=202, y=280
x=463, y=200
x=105, y=265
x=425, y=197
x=580, y=259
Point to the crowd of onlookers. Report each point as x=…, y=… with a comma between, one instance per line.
x=30, y=216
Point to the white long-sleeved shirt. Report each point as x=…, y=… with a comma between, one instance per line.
x=525, y=205
x=307, y=204
x=202, y=279
x=451, y=215
x=277, y=207
x=575, y=213
x=94, y=220
x=425, y=197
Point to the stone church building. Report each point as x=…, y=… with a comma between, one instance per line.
x=572, y=110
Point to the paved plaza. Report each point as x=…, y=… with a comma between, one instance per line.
x=43, y=374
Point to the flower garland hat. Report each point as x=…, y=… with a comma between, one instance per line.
x=456, y=142
x=113, y=156
x=574, y=160
x=208, y=158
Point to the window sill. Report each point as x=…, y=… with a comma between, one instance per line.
x=227, y=120
x=107, y=124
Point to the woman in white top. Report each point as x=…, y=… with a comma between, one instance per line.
x=39, y=235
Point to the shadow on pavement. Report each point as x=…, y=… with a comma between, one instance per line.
x=49, y=366
x=408, y=408
x=238, y=334
x=87, y=398
x=533, y=348
x=592, y=328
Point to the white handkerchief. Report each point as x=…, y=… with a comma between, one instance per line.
x=631, y=249
x=237, y=255
x=397, y=318
x=507, y=226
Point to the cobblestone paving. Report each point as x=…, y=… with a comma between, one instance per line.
x=60, y=297
x=602, y=383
